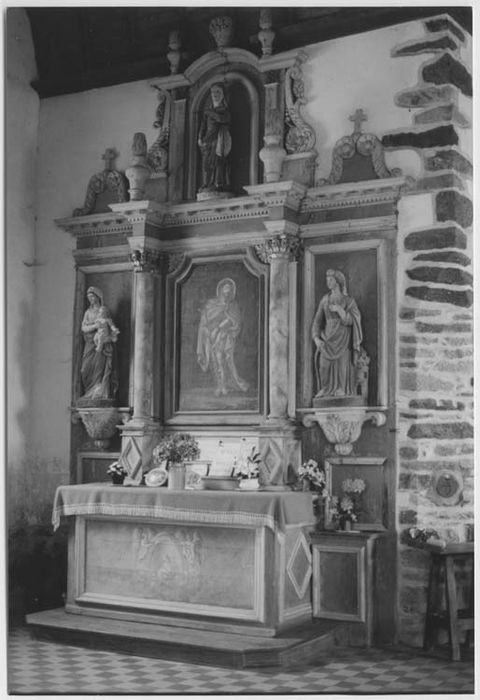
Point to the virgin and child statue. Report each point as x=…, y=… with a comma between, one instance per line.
x=215, y=142
x=337, y=335
x=98, y=371
x=220, y=325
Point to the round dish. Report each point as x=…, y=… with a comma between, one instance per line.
x=156, y=477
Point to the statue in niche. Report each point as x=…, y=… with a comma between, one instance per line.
x=341, y=364
x=99, y=362
x=215, y=142
x=220, y=324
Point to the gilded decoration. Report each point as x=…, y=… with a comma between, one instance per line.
x=109, y=180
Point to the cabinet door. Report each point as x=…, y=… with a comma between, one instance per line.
x=339, y=591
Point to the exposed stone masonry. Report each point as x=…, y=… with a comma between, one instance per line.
x=435, y=339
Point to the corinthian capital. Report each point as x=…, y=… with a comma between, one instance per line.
x=287, y=246
x=146, y=261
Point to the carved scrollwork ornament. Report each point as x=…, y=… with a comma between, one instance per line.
x=365, y=144
x=157, y=156
x=286, y=245
x=300, y=137
x=146, y=261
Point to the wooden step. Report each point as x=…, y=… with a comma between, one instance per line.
x=294, y=647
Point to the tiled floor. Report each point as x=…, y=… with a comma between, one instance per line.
x=37, y=667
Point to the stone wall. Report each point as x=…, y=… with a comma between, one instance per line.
x=435, y=351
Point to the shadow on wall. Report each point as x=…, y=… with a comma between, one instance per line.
x=37, y=569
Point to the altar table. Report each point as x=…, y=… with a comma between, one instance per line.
x=189, y=558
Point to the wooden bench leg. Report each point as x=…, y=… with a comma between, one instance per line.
x=452, y=607
x=469, y=638
x=433, y=603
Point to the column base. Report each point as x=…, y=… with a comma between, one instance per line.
x=280, y=449
x=139, y=437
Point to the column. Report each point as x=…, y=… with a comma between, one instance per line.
x=138, y=434
x=279, y=436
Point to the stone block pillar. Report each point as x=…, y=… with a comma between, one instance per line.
x=435, y=395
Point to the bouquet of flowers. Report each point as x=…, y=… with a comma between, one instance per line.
x=349, y=506
x=249, y=467
x=116, y=472
x=176, y=448
x=116, y=469
x=312, y=477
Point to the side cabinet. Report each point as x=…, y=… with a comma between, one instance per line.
x=344, y=579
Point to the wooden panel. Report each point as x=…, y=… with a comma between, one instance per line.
x=92, y=466
x=373, y=500
x=339, y=588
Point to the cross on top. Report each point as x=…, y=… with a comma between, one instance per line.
x=357, y=118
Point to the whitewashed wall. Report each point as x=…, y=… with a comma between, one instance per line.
x=21, y=125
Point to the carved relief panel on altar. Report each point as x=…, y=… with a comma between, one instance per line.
x=217, y=352
x=343, y=327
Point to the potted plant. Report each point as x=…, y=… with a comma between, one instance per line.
x=347, y=509
x=172, y=452
x=117, y=473
x=311, y=477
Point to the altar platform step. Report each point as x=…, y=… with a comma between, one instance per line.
x=296, y=647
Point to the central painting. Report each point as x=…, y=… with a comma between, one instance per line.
x=219, y=335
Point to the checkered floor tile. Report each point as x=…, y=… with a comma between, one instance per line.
x=37, y=667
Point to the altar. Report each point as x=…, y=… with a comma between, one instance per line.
x=200, y=559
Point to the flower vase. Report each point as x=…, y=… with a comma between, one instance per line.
x=176, y=477
x=118, y=479
x=347, y=525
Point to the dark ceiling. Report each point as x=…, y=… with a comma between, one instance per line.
x=78, y=48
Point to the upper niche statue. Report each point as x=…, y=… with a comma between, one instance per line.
x=340, y=360
x=215, y=142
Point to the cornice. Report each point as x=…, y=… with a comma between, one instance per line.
x=141, y=211
x=213, y=211
x=350, y=194
x=262, y=202
x=107, y=223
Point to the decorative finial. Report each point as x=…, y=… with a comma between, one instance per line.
x=266, y=35
x=174, y=55
x=221, y=28
x=357, y=118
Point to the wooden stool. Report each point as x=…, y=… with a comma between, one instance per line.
x=452, y=618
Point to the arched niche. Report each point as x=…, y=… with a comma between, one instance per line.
x=244, y=94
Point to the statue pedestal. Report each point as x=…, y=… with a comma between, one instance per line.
x=342, y=427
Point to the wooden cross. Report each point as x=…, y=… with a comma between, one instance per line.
x=357, y=120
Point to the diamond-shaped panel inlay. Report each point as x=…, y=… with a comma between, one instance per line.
x=299, y=567
x=132, y=457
